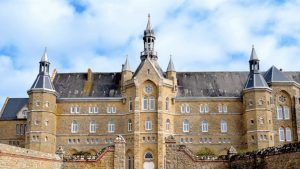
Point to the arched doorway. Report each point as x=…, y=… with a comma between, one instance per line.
x=148, y=164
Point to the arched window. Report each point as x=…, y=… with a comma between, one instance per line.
x=288, y=134
x=204, y=126
x=279, y=113
x=281, y=134
x=129, y=125
x=152, y=103
x=111, y=126
x=93, y=127
x=223, y=126
x=168, y=124
x=167, y=103
x=74, y=127
x=186, y=126
x=286, y=112
x=145, y=103
x=148, y=156
x=148, y=124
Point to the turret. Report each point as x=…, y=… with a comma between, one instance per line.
x=171, y=73
x=257, y=115
x=126, y=73
x=41, y=122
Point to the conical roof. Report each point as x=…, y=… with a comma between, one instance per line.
x=126, y=65
x=171, y=66
x=45, y=56
x=253, y=55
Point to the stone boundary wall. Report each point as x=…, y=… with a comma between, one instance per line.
x=21, y=158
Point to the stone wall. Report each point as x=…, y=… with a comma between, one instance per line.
x=15, y=157
x=283, y=157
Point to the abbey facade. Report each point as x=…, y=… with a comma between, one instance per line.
x=217, y=110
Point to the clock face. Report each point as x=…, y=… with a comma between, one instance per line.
x=148, y=89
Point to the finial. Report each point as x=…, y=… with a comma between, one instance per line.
x=148, y=24
x=253, y=55
x=126, y=64
x=45, y=56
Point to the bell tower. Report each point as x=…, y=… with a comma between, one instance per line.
x=149, y=39
x=41, y=121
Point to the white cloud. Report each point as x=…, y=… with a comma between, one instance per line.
x=201, y=36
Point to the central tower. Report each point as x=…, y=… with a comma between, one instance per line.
x=149, y=39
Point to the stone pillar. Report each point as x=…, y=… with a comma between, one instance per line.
x=119, y=155
x=171, y=153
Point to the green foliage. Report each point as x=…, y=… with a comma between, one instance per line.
x=84, y=153
x=206, y=152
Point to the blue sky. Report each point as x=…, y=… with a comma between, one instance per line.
x=201, y=35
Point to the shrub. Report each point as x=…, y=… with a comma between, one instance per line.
x=206, y=152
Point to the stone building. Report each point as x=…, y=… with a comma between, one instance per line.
x=86, y=111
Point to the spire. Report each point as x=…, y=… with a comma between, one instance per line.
x=126, y=65
x=149, y=23
x=171, y=65
x=45, y=56
x=253, y=55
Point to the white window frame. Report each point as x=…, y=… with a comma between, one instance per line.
x=201, y=108
x=223, y=126
x=281, y=134
x=93, y=109
x=151, y=103
x=74, y=127
x=187, y=108
x=206, y=108
x=130, y=104
x=93, y=126
x=168, y=125
x=145, y=103
x=288, y=134
x=185, y=126
x=220, y=108
x=204, y=126
x=224, y=108
x=279, y=113
x=111, y=127
x=148, y=124
x=129, y=125
x=286, y=112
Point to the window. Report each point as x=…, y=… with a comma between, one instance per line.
x=167, y=103
x=93, y=109
x=186, y=126
x=286, y=112
x=185, y=108
x=75, y=109
x=204, y=126
x=148, y=156
x=279, y=113
x=201, y=108
x=168, y=124
x=206, y=108
x=148, y=124
x=22, y=129
x=74, y=127
x=93, y=127
x=152, y=103
x=18, y=129
x=111, y=109
x=222, y=108
x=111, y=126
x=288, y=134
x=281, y=134
x=24, y=114
x=145, y=103
x=223, y=126
x=129, y=125
x=130, y=104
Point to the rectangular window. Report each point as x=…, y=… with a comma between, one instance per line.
x=187, y=109
x=152, y=103
x=201, y=108
x=18, y=129
x=225, y=108
x=129, y=126
x=286, y=112
x=93, y=109
x=206, y=108
x=288, y=134
x=220, y=108
x=148, y=125
x=75, y=109
x=111, y=127
x=145, y=103
x=130, y=104
x=279, y=113
x=281, y=134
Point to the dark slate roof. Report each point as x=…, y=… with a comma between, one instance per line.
x=255, y=80
x=275, y=75
x=71, y=85
x=12, y=107
x=43, y=81
x=190, y=84
x=211, y=84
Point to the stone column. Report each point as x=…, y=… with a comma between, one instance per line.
x=119, y=155
x=171, y=153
